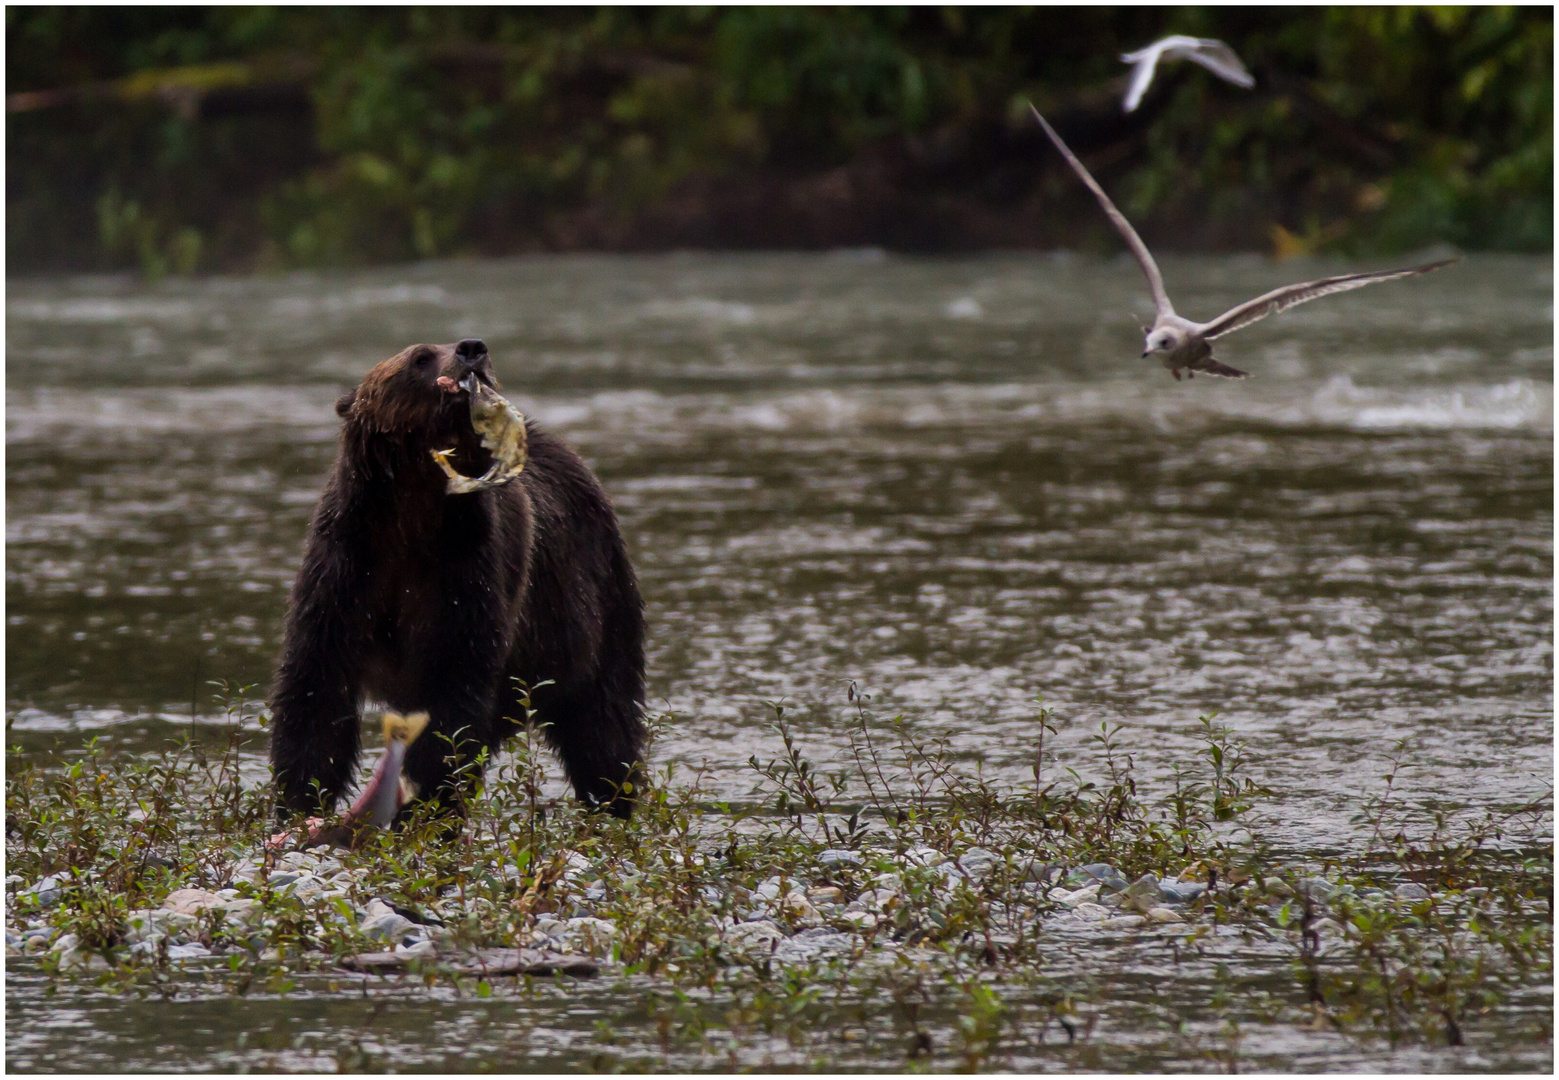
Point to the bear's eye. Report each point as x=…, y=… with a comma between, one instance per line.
x=423, y=358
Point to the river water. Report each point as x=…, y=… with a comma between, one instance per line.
x=951, y=482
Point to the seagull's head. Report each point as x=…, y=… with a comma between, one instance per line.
x=1165, y=339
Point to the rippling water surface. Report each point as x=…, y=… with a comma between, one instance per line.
x=951, y=482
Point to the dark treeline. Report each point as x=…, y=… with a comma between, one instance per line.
x=187, y=139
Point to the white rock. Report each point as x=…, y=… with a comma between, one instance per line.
x=325, y=865
x=796, y=908
x=978, y=863
x=246, y=870
x=389, y=927
x=1077, y=896
x=759, y=936
x=769, y=888
x=575, y=865
x=1091, y=912
x=1124, y=922
x=1143, y=893
x=1163, y=915
x=192, y=901
x=47, y=892
x=1037, y=870
x=861, y=920
x=149, y=925
x=873, y=900
x=192, y=951
x=923, y=856
x=70, y=957
x=306, y=887
x=548, y=926
x=813, y=944
x=603, y=929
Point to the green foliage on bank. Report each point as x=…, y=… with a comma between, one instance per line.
x=178, y=139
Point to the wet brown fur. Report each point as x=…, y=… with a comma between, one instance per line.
x=428, y=601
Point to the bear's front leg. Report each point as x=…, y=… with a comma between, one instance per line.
x=314, y=699
x=460, y=661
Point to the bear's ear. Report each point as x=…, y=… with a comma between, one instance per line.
x=344, y=402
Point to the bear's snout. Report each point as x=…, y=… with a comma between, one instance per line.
x=471, y=358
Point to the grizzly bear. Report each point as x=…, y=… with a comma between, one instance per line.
x=427, y=601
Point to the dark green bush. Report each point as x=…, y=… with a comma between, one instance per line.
x=415, y=132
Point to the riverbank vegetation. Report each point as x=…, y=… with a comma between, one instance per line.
x=896, y=911
x=195, y=139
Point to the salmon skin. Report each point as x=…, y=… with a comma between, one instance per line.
x=388, y=790
x=378, y=803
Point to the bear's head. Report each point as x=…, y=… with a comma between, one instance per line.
x=416, y=395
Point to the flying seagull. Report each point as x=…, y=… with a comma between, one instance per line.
x=1211, y=53
x=1183, y=345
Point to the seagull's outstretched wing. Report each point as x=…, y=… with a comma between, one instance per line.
x=1133, y=241
x=1211, y=53
x=1146, y=63
x=1282, y=299
x=1219, y=59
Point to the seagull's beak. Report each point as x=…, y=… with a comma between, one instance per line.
x=1146, y=355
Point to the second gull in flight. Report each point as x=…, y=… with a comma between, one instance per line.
x=1183, y=345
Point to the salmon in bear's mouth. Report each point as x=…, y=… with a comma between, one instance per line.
x=501, y=428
